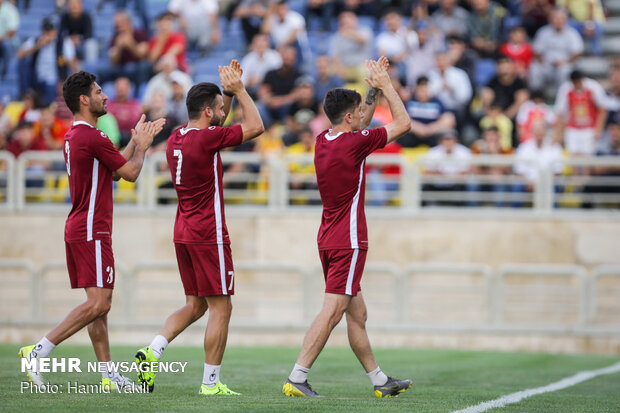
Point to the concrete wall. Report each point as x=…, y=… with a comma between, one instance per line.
x=39, y=238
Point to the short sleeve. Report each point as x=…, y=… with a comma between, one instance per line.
x=105, y=152
x=219, y=137
x=370, y=140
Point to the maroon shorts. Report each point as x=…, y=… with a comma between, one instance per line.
x=343, y=270
x=206, y=269
x=90, y=264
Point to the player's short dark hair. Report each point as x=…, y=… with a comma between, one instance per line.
x=338, y=102
x=199, y=97
x=576, y=75
x=422, y=80
x=76, y=85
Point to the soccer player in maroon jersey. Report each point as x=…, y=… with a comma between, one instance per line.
x=339, y=158
x=200, y=234
x=92, y=163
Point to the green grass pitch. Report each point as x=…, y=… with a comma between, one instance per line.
x=444, y=380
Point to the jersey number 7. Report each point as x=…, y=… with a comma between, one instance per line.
x=177, y=153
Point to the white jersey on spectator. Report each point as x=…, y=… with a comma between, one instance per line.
x=557, y=46
x=256, y=66
x=282, y=30
x=531, y=158
x=392, y=44
x=460, y=153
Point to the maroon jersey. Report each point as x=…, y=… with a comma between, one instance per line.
x=91, y=158
x=196, y=168
x=339, y=163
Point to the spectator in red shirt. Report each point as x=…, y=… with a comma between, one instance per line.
x=24, y=140
x=519, y=50
x=167, y=41
x=127, y=53
x=126, y=110
x=50, y=129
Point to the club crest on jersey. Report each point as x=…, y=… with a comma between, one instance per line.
x=212, y=127
x=103, y=135
x=365, y=132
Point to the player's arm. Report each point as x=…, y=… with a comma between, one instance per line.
x=141, y=139
x=401, y=123
x=372, y=97
x=252, y=124
x=228, y=100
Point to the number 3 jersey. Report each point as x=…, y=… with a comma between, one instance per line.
x=196, y=168
x=90, y=158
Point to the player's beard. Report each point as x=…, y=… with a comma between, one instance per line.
x=98, y=111
x=216, y=121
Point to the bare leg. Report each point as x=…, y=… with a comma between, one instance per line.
x=97, y=305
x=334, y=307
x=356, y=330
x=216, y=334
x=98, y=332
x=194, y=308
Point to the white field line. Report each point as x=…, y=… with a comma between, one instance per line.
x=558, y=385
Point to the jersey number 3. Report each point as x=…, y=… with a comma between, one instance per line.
x=178, y=154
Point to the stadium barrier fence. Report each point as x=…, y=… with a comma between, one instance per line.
x=424, y=297
x=395, y=184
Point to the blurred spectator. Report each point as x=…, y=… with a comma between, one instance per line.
x=496, y=119
x=140, y=8
x=533, y=111
x=50, y=129
x=324, y=10
x=557, y=47
x=609, y=146
x=127, y=53
x=614, y=87
x=588, y=18
x=581, y=107
x=451, y=18
x=302, y=172
x=31, y=111
x=9, y=23
x=162, y=81
x=62, y=110
x=435, y=164
x=326, y=78
x=383, y=179
x=422, y=58
x=506, y=88
x=177, y=107
x=428, y=116
x=303, y=110
x=156, y=108
x=258, y=62
x=6, y=126
x=396, y=41
x=168, y=42
x=351, y=46
x=24, y=140
x=285, y=27
x=276, y=94
x=461, y=56
x=39, y=66
x=108, y=125
x=77, y=25
x=199, y=21
x=125, y=109
x=359, y=7
x=519, y=50
x=534, y=14
x=451, y=86
x=535, y=155
x=490, y=145
x=251, y=13
x=484, y=27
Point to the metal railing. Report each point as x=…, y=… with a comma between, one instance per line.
x=394, y=183
x=278, y=296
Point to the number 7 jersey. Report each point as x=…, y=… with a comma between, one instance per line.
x=196, y=169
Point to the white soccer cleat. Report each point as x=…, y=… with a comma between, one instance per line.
x=29, y=353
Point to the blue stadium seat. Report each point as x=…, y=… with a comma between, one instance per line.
x=484, y=72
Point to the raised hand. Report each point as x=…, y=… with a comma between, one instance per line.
x=144, y=132
x=236, y=66
x=377, y=75
x=384, y=62
x=231, y=80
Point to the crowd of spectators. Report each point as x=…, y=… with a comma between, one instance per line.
x=476, y=76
